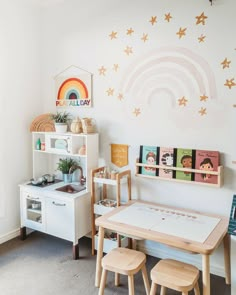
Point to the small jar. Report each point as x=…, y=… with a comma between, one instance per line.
x=42, y=146
x=113, y=174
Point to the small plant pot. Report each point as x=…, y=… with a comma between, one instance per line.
x=67, y=178
x=61, y=127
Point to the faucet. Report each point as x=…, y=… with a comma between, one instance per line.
x=82, y=179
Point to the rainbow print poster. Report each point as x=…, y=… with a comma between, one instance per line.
x=74, y=91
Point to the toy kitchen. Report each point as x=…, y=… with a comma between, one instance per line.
x=48, y=202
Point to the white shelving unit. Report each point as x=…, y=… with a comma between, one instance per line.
x=46, y=161
x=102, y=203
x=54, y=212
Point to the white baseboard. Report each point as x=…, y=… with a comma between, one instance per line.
x=168, y=252
x=11, y=235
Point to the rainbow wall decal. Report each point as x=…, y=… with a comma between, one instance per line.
x=72, y=88
x=74, y=92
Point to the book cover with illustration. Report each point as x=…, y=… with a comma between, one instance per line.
x=209, y=161
x=150, y=156
x=232, y=218
x=166, y=158
x=184, y=158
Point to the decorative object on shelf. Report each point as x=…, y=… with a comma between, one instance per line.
x=76, y=126
x=42, y=146
x=60, y=120
x=119, y=154
x=38, y=144
x=113, y=174
x=67, y=166
x=61, y=144
x=73, y=88
x=42, y=123
x=88, y=125
x=82, y=150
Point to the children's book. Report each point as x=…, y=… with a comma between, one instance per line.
x=150, y=156
x=166, y=158
x=184, y=158
x=232, y=219
x=209, y=161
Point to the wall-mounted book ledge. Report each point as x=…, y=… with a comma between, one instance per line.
x=218, y=175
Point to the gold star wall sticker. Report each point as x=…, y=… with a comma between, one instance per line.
x=182, y=101
x=102, y=71
x=115, y=67
x=201, y=38
x=144, y=37
x=137, y=112
x=128, y=50
x=113, y=35
x=168, y=17
x=225, y=63
x=181, y=32
x=202, y=111
x=120, y=96
x=130, y=31
x=153, y=20
x=203, y=97
x=201, y=19
x=230, y=83
x=110, y=91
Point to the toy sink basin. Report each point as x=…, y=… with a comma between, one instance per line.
x=71, y=188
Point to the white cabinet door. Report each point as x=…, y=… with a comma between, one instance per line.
x=60, y=218
x=32, y=211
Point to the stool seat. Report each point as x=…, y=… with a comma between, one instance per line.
x=127, y=262
x=175, y=275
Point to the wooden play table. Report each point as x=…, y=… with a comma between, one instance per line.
x=186, y=230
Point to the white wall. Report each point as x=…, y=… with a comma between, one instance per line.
x=20, y=103
x=77, y=33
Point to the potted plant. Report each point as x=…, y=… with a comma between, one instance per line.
x=67, y=166
x=60, y=120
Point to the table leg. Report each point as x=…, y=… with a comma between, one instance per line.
x=206, y=274
x=227, y=259
x=99, y=256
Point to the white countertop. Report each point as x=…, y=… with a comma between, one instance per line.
x=50, y=190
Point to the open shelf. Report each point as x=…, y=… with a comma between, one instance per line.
x=101, y=204
x=218, y=173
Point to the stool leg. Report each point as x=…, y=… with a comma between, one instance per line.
x=196, y=289
x=103, y=282
x=134, y=244
x=145, y=280
x=117, y=279
x=153, y=289
x=131, y=284
x=163, y=290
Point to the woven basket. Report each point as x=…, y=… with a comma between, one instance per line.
x=88, y=125
x=43, y=123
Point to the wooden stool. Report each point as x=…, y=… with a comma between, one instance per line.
x=175, y=275
x=127, y=262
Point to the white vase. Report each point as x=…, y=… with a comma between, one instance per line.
x=61, y=127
